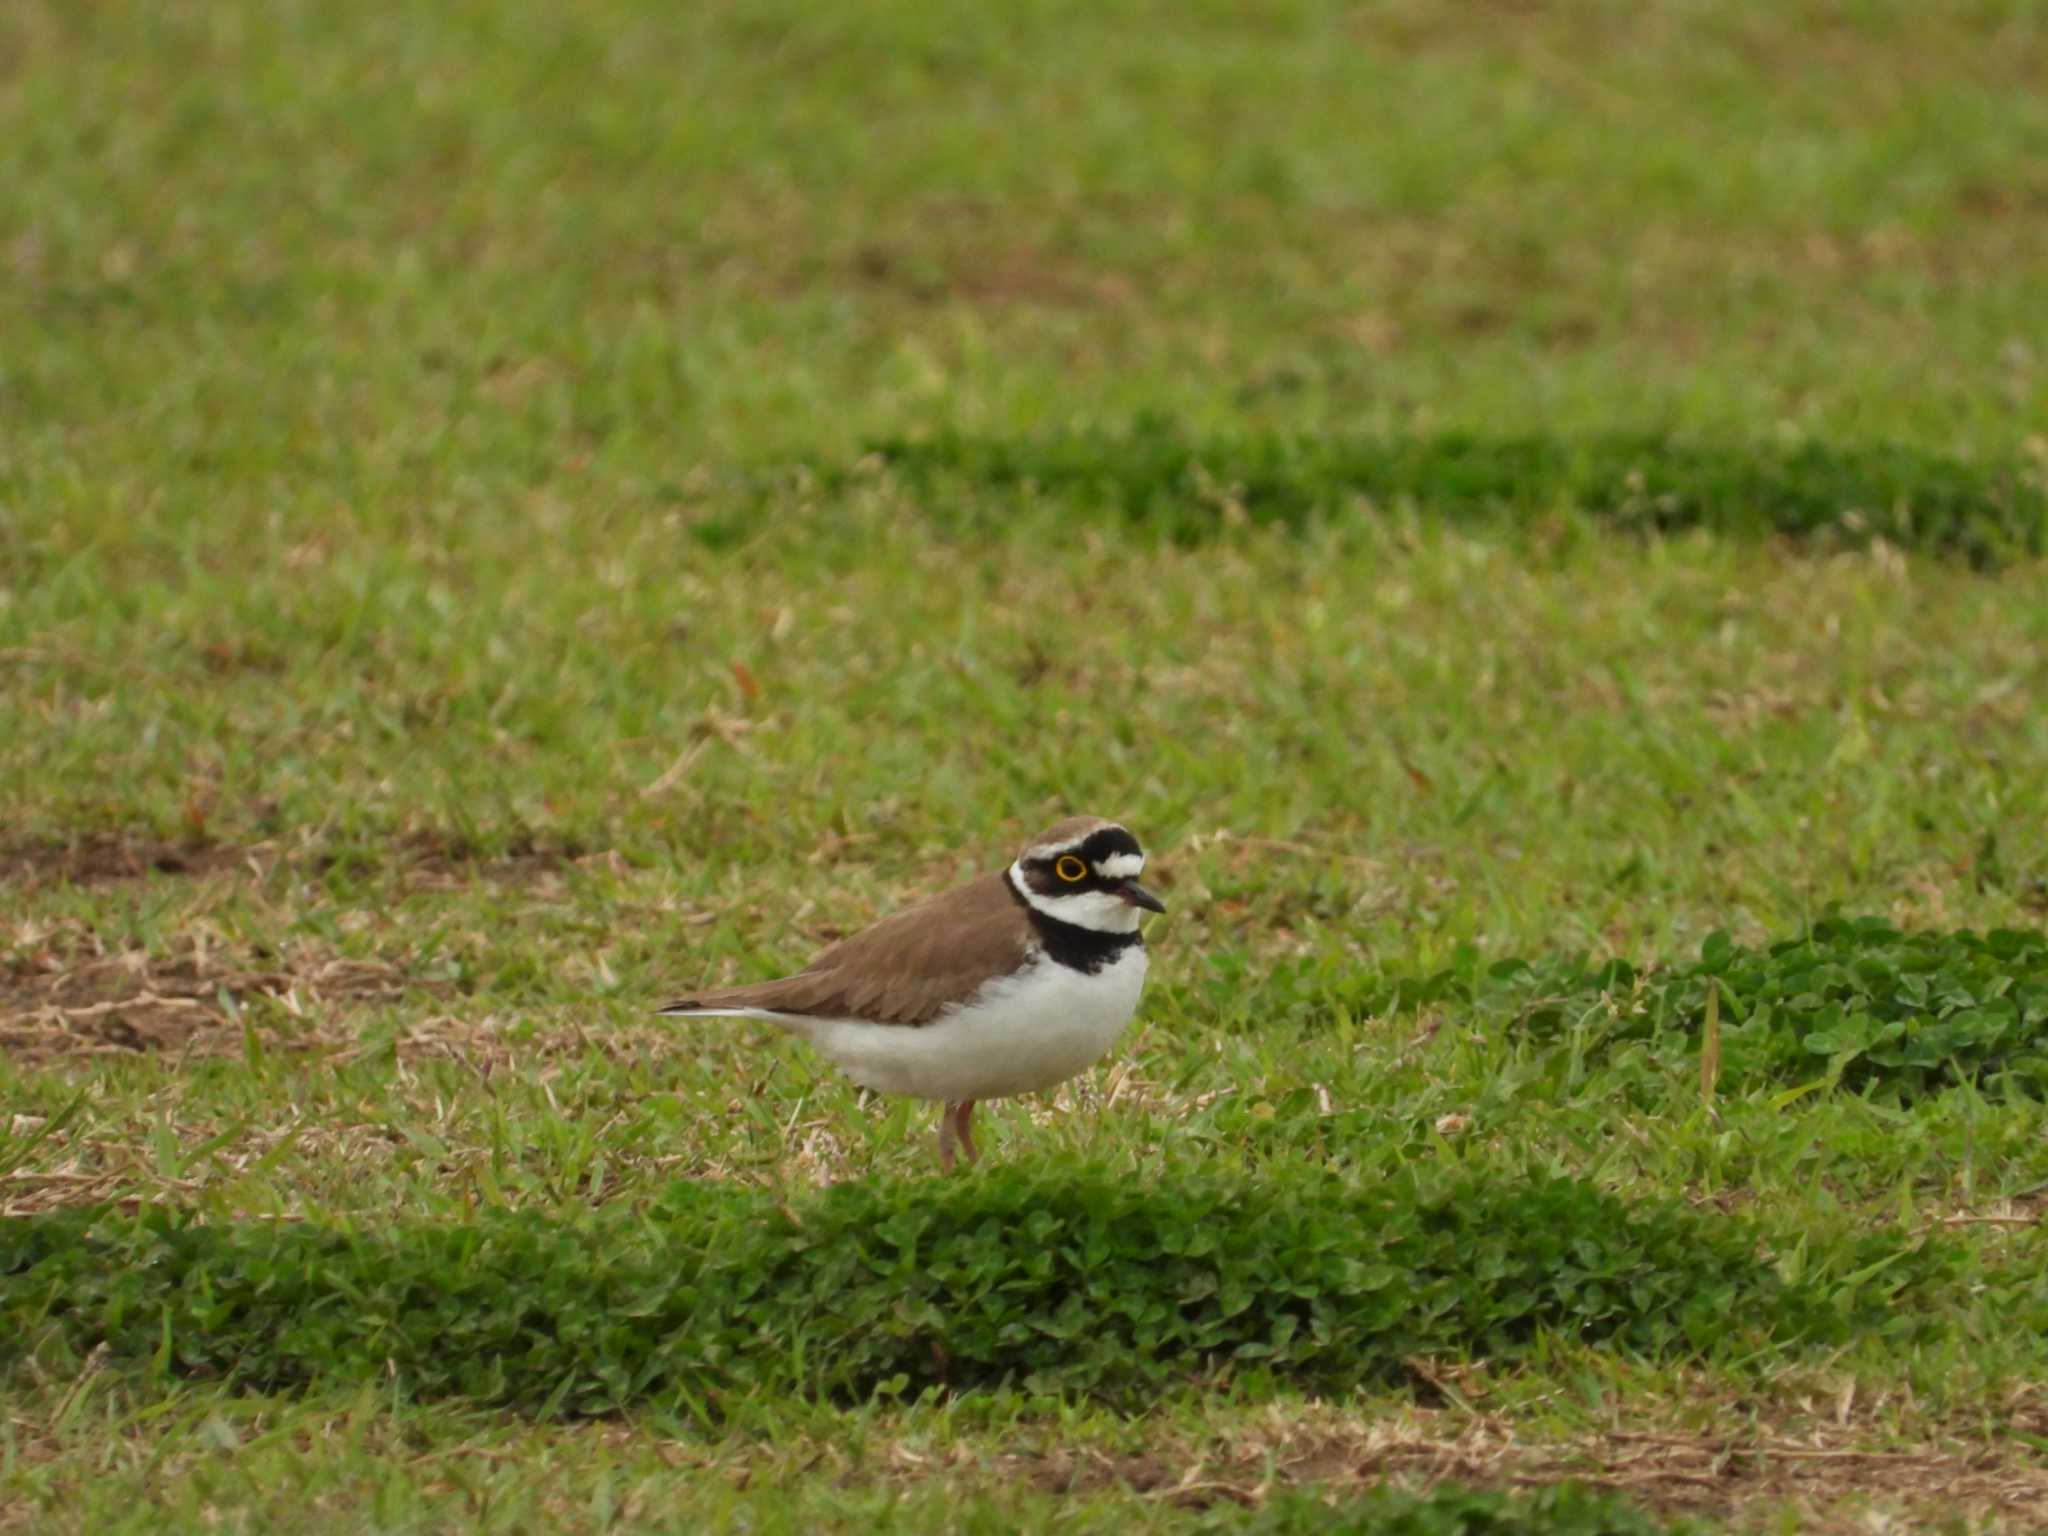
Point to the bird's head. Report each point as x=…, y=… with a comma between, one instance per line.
x=1085, y=871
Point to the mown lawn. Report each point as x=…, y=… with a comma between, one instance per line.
x=1534, y=513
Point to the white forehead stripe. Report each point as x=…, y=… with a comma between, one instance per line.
x=1071, y=845
x=1119, y=866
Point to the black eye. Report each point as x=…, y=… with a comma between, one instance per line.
x=1070, y=869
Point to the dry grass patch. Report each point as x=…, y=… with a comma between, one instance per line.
x=1828, y=1463
x=65, y=992
x=423, y=857
x=1836, y=1471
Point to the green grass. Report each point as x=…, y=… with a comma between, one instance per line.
x=1189, y=488
x=1067, y=1286
x=507, y=511
x=1854, y=999
x=1451, y=1512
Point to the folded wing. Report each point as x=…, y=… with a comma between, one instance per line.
x=907, y=969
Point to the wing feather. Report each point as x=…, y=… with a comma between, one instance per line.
x=907, y=969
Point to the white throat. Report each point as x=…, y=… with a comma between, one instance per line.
x=1097, y=911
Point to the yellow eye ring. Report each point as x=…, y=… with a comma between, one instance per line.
x=1069, y=868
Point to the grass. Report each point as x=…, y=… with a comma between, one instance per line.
x=318, y=1465
x=1068, y=1286
x=1908, y=1013
x=1188, y=488
x=451, y=597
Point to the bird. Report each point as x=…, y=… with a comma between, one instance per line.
x=1013, y=982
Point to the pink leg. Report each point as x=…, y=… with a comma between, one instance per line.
x=954, y=1131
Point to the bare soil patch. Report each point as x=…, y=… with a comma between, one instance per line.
x=80, y=1000
x=99, y=860
x=420, y=857
x=443, y=860
x=995, y=275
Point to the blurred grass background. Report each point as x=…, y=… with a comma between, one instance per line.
x=447, y=600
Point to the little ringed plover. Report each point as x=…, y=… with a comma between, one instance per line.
x=1005, y=985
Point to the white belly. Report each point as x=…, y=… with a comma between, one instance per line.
x=1042, y=1026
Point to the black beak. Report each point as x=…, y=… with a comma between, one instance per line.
x=1138, y=896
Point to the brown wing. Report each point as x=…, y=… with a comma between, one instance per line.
x=905, y=969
